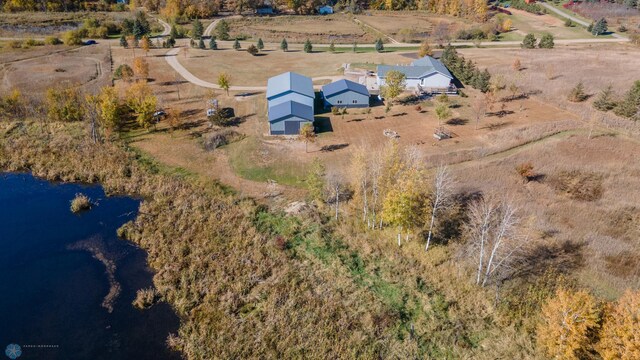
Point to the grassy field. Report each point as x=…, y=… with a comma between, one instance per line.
x=339, y=28
x=524, y=23
x=40, y=24
x=412, y=26
x=208, y=64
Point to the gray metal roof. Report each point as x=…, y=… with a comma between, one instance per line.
x=290, y=81
x=418, y=69
x=290, y=108
x=343, y=85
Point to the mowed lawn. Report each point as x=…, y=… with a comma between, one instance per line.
x=249, y=70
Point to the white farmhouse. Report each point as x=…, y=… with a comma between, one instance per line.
x=425, y=74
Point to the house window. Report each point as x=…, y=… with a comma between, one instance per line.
x=339, y=101
x=355, y=101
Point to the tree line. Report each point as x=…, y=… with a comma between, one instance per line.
x=466, y=70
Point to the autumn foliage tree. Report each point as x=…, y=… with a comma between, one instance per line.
x=620, y=335
x=142, y=103
x=394, y=85
x=62, y=103
x=425, y=49
x=569, y=322
x=141, y=68
x=307, y=134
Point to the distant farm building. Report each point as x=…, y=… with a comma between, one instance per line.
x=345, y=93
x=265, y=10
x=425, y=75
x=290, y=98
x=325, y=10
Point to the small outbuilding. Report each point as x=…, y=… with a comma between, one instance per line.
x=265, y=10
x=288, y=117
x=325, y=10
x=290, y=86
x=345, y=93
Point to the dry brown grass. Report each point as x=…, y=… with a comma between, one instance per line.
x=597, y=66
x=339, y=28
x=34, y=70
x=601, y=227
x=413, y=26
x=248, y=70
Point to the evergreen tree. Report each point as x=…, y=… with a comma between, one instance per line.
x=253, y=50
x=174, y=32
x=141, y=25
x=484, y=81
x=222, y=30
x=605, y=100
x=171, y=42
x=546, y=42
x=201, y=44
x=307, y=46
x=577, y=94
x=529, y=42
x=600, y=27
x=213, y=45
x=379, y=45
x=332, y=47
x=197, y=29
x=260, y=44
x=629, y=107
x=123, y=41
x=590, y=27
x=236, y=45
x=283, y=45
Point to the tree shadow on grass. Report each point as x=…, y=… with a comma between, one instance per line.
x=333, y=147
x=457, y=121
x=322, y=124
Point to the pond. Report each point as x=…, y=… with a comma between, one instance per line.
x=67, y=281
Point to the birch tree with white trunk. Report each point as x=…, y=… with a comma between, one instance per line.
x=495, y=242
x=443, y=185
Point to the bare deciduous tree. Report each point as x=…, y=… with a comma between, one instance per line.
x=442, y=190
x=479, y=110
x=336, y=189
x=495, y=243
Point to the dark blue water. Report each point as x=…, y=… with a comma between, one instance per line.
x=51, y=290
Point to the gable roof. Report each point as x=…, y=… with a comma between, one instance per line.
x=290, y=81
x=290, y=108
x=339, y=86
x=417, y=69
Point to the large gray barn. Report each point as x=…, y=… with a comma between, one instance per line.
x=290, y=98
x=345, y=93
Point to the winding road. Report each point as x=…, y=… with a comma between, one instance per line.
x=166, y=28
x=575, y=19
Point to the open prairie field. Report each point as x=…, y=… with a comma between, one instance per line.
x=525, y=23
x=338, y=28
x=413, y=26
x=551, y=74
x=581, y=204
x=38, y=24
x=34, y=70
